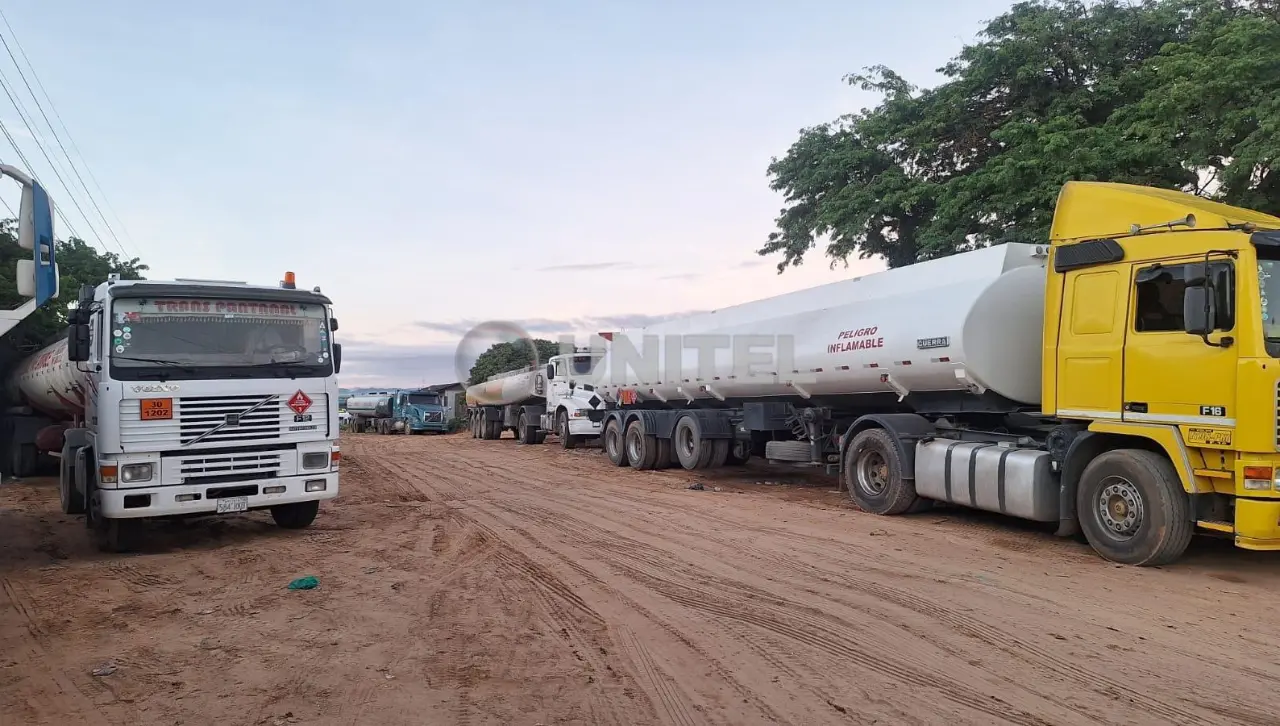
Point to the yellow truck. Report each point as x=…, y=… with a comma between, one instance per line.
x=1120, y=381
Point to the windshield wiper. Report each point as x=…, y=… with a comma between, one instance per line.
x=184, y=367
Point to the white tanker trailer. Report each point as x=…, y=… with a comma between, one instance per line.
x=780, y=377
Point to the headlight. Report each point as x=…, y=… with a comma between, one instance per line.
x=315, y=460
x=133, y=473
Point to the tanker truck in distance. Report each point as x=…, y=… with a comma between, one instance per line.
x=532, y=403
x=1122, y=380
x=188, y=397
x=399, y=412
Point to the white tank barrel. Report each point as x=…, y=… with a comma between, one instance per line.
x=970, y=322
x=369, y=406
x=49, y=383
x=523, y=386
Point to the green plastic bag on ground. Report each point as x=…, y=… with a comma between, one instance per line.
x=305, y=583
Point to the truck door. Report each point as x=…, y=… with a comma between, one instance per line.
x=1172, y=377
x=1091, y=343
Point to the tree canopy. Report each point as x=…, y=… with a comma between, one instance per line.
x=1181, y=94
x=510, y=356
x=79, y=263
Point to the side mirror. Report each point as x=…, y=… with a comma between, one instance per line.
x=551, y=371
x=86, y=294
x=337, y=358
x=78, y=342
x=1198, y=312
x=333, y=323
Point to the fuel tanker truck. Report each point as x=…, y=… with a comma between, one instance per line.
x=1122, y=380
x=532, y=402
x=186, y=397
x=399, y=412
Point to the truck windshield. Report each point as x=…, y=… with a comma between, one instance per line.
x=424, y=399
x=1269, y=285
x=183, y=336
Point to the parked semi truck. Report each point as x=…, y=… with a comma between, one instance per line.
x=187, y=397
x=403, y=412
x=533, y=403
x=1122, y=380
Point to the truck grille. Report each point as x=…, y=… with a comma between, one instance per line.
x=211, y=468
x=433, y=416
x=194, y=416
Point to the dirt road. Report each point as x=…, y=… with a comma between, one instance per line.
x=475, y=582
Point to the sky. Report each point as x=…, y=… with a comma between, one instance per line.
x=566, y=166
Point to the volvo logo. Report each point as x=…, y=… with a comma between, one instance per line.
x=156, y=388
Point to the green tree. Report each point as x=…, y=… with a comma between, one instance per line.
x=510, y=356
x=1174, y=93
x=78, y=264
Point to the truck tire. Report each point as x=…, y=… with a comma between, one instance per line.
x=614, y=446
x=68, y=496
x=109, y=535
x=642, y=449
x=1133, y=509
x=562, y=430
x=719, y=452
x=789, y=451
x=475, y=426
x=666, y=457
x=298, y=515
x=692, y=451
x=873, y=475
x=520, y=428
x=739, y=453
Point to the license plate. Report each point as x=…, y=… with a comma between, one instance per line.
x=233, y=504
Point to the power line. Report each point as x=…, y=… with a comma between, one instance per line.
x=65, y=187
x=54, y=131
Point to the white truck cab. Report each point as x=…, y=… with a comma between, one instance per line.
x=201, y=398
x=571, y=394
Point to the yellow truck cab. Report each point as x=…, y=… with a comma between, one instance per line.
x=1162, y=340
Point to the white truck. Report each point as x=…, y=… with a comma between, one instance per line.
x=536, y=401
x=188, y=397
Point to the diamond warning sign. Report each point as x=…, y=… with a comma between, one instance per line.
x=300, y=402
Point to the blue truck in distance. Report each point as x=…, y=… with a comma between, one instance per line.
x=397, y=412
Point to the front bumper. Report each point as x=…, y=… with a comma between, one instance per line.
x=163, y=501
x=585, y=427
x=430, y=426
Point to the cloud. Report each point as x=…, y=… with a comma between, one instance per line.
x=586, y=266
x=555, y=326
x=682, y=276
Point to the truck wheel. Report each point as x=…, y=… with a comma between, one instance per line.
x=692, y=451
x=666, y=457
x=562, y=430
x=71, y=500
x=1133, y=509
x=520, y=424
x=614, y=447
x=475, y=427
x=495, y=430
x=109, y=535
x=719, y=452
x=873, y=474
x=739, y=453
x=642, y=449
x=298, y=515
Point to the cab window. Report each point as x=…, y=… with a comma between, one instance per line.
x=1158, y=298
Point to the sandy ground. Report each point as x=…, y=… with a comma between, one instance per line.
x=474, y=582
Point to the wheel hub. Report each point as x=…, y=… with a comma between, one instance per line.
x=1120, y=507
x=873, y=473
